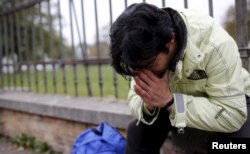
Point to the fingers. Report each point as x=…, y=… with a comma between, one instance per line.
x=150, y=88
x=142, y=93
x=142, y=83
x=147, y=76
x=146, y=80
x=144, y=77
x=145, y=96
x=150, y=75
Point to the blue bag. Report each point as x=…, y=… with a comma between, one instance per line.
x=102, y=139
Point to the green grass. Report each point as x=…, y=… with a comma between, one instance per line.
x=32, y=143
x=7, y=81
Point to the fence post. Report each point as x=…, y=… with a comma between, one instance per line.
x=242, y=30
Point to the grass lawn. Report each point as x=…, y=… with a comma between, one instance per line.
x=7, y=81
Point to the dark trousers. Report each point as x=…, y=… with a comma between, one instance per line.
x=148, y=139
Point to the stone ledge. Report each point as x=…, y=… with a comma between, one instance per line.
x=82, y=109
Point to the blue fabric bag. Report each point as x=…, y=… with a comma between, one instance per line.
x=102, y=139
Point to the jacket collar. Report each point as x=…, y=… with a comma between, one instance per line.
x=193, y=57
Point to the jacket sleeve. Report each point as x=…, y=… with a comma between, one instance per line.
x=223, y=109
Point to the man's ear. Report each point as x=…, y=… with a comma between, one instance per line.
x=173, y=38
x=171, y=42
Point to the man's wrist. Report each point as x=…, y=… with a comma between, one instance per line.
x=169, y=103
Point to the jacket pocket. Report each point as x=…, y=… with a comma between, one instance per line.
x=193, y=87
x=227, y=119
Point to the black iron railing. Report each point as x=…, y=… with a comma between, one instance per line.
x=45, y=47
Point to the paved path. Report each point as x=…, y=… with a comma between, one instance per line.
x=7, y=148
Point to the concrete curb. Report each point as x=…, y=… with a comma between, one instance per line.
x=87, y=110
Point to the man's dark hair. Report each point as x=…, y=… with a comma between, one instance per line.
x=137, y=36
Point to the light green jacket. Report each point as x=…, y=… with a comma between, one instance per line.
x=213, y=100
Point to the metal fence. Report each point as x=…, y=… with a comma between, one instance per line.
x=47, y=45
